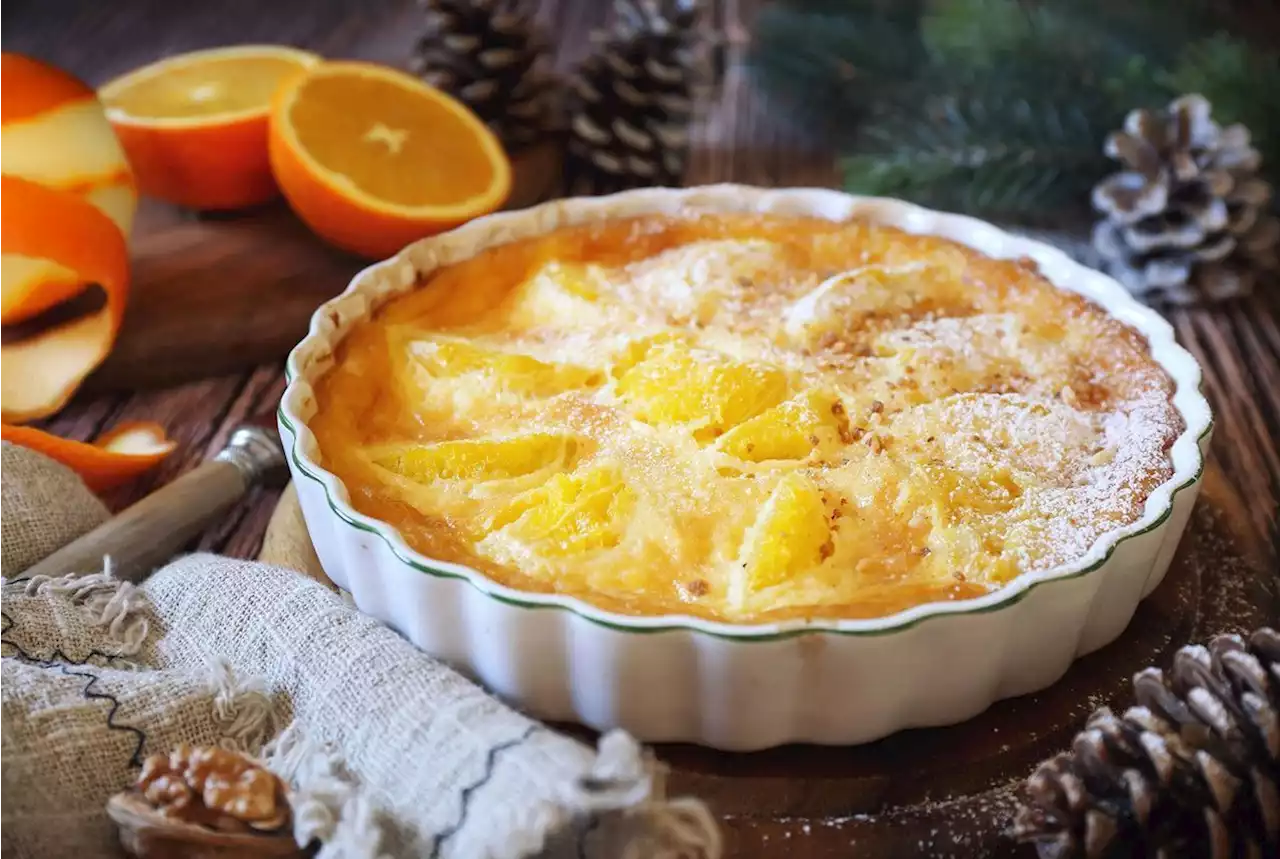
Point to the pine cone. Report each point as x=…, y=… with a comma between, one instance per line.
x=634, y=96
x=1188, y=219
x=1193, y=770
x=490, y=55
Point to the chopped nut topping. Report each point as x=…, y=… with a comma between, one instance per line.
x=876, y=407
x=698, y=588
x=826, y=550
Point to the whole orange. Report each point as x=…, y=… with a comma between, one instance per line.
x=195, y=125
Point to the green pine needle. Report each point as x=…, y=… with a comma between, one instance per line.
x=976, y=33
x=827, y=59
x=992, y=150
x=1001, y=107
x=1242, y=84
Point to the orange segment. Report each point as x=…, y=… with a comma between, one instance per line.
x=373, y=159
x=195, y=125
x=39, y=375
x=118, y=456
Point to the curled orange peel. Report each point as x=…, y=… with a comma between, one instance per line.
x=36, y=88
x=118, y=456
x=38, y=223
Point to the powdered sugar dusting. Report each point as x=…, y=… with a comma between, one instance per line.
x=1112, y=488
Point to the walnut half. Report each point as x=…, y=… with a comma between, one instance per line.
x=216, y=788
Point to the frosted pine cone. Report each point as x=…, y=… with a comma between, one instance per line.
x=1193, y=770
x=1188, y=219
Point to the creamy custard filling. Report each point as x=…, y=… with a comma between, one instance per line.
x=746, y=418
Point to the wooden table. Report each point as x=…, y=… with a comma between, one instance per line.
x=187, y=268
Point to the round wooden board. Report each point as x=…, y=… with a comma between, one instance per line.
x=953, y=791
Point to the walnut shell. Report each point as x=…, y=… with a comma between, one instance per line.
x=146, y=832
x=215, y=787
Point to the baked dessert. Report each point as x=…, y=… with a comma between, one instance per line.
x=745, y=418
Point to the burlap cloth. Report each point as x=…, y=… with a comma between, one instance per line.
x=390, y=752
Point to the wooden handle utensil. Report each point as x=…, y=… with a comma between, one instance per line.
x=146, y=535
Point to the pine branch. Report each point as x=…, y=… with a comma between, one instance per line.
x=1029, y=40
x=1242, y=84
x=827, y=59
x=977, y=33
x=1154, y=29
x=1001, y=107
x=995, y=151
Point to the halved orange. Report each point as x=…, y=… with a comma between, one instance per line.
x=195, y=125
x=373, y=159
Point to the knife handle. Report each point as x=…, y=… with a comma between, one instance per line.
x=149, y=533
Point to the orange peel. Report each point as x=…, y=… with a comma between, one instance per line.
x=38, y=375
x=55, y=132
x=118, y=456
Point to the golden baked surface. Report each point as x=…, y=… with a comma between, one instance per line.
x=746, y=418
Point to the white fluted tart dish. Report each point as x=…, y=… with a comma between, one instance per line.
x=744, y=467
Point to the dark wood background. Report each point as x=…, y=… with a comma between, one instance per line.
x=221, y=298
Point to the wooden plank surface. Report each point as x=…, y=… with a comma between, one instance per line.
x=827, y=803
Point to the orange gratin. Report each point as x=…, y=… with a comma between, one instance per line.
x=746, y=418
